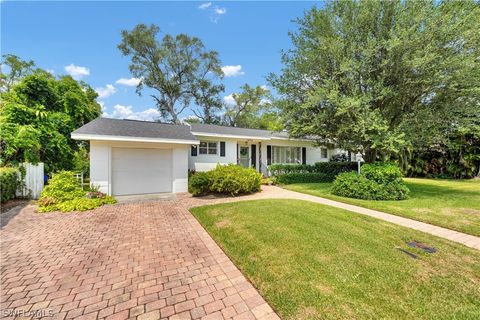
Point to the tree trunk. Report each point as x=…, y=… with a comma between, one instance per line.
x=370, y=155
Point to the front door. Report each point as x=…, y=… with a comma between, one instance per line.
x=244, y=156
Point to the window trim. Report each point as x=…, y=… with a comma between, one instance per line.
x=208, y=148
x=326, y=153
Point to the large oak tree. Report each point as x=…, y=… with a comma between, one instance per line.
x=179, y=70
x=380, y=76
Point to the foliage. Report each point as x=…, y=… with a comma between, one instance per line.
x=329, y=170
x=266, y=181
x=84, y=204
x=451, y=204
x=37, y=116
x=375, y=182
x=225, y=179
x=381, y=76
x=9, y=182
x=199, y=183
x=81, y=160
x=64, y=193
x=233, y=179
x=303, y=177
x=457, y=156
x=178, y=68
x=251, y=108
x=18, y=69
x=339, y=157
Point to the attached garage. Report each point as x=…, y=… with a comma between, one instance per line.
x=141, y=171
x=129, y=157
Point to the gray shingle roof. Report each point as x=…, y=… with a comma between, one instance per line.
x=135, y=128
x=146, y=129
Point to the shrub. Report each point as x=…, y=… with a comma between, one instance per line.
x=312, y=177
x=199, y=183
x=376, y=182
x=9, y=183
x=226, y=179
x=64, y=193
x=328, y=170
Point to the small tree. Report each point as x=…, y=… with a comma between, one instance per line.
x=178, y=68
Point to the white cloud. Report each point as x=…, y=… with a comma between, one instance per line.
x=77, y=72
x=132, y=82
x=229, y=101
x=219, y=10
x=264, y=87
x=232, y=71
x=51, y=71
x=126, y=112
x=105, y=92
x=204, y=6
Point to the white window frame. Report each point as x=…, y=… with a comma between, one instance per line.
x=208, y=148
x=287, y=155
x=326, y=153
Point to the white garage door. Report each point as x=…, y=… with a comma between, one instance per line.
x=140, y=171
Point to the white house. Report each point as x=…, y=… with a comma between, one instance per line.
x=139, y=157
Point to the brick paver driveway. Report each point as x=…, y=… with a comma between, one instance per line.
x=145, y=260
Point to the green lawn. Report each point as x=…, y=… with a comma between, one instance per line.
x=446, y=203
x=318, y=262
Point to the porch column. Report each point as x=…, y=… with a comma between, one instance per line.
x=260, y=157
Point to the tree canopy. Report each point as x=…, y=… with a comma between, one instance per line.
x=38, y=114
x=382, y=76
x=179, y=69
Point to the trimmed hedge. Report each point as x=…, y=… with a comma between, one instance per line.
x=312, y=177
x=375, y=182
x=9, y=183
x=64, y=193
x=319, y=172
x=225, y=179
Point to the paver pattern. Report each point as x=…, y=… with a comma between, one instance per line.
x=149, y=260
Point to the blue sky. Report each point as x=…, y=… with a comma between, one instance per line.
x=81, y=38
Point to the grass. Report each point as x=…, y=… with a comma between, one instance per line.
x=317, y=262
x=446, y=203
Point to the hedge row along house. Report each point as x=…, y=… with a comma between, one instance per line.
x=139, y=157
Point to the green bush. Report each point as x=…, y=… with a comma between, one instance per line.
x=64, y=193
x=375, y=182
x=233, y=179
x=225, y=179
x=199, y=183
x=312, y=177
x=327, y=169
x=9, y=183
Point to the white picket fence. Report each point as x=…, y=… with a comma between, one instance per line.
x=33, y=180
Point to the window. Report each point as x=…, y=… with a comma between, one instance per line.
x=324, y=153
x=287, y=155
x=208, y=147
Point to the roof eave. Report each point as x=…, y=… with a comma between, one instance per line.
x=100, y=137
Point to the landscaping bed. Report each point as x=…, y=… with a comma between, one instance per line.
x=317, y=262
x=452, y=204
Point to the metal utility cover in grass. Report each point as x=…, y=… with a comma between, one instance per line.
x=424, y=247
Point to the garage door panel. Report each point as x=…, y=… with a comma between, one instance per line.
x=137, y=171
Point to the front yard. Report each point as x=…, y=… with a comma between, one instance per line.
x=312, y=261
x=446, y=203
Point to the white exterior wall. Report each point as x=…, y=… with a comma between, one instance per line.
x=101, y=163
x=205, y=162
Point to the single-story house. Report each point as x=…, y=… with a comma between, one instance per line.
x=139, y=157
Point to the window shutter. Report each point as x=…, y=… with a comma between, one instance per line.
x=222, y=148
x=269, y=155
x=193, y=151
x=254, y=155
x=304, y=155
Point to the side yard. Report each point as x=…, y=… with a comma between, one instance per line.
x=450, y=204
x=312, y=261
